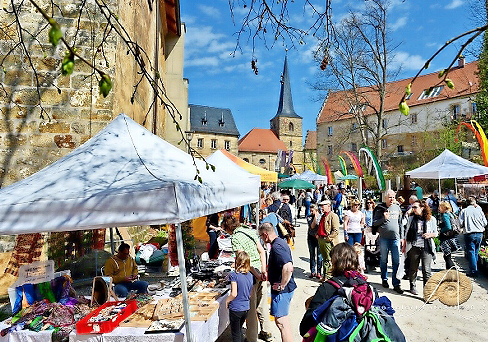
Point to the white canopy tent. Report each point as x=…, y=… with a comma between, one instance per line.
x=309, y=176
x=448, y=165
x=122, y=176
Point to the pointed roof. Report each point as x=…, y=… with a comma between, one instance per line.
x=205, y=119
x=261, y=140
x=285, y=107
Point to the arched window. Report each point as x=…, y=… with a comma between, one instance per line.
x=291, y=144
x=291, y=128
x=246, y=160
x=262, y=161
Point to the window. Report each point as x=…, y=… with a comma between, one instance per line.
x=262, y=161
x=221, y=123
x=246, y=160
x=200, y=143
x=431, y=92
x=329, y=131
x=414, y=141
x=384, y=144
x=291, y=144
x=227, y=145
x=455, y=111
x=400, y=148
x=354, y=147
x=384, y=123
x=330, y=149
x=204, y=121
x=408, y=96
x=413, y=118
x=291, y=128
x=357, y=108
x=213, y=144
x=354, y=126
x=474, y=109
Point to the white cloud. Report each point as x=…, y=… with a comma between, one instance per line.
x=188, y=19
x=216, y=46
x=455, y=4
x=204, y=61
x=210, y=11
x=200, y=36
x=399, y=23
x=407, y=61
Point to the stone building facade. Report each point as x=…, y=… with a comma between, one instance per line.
x=212, y=129
x=403, y=137
x=41, y=124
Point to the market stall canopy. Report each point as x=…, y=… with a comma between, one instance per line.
x=309, y=176
x=348, y=177
x=295, y=184
x=266, y=175
x=122, y=176
x=448, y=165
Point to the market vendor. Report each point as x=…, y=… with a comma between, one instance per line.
x=123, y=270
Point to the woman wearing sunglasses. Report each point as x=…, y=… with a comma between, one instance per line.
x=420, y=230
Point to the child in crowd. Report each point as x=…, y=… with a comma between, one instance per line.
x=359, y=251
x=241, y=282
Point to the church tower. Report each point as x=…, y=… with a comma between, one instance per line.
x=287, y=124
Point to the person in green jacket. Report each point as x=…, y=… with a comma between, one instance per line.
x=123, y=270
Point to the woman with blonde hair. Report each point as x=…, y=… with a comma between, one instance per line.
x=353, y=223
x=238, y=301
x=447, y=236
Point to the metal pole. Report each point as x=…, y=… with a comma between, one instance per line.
x=440, y=193
x=184, y=288
x=112, y=246
x=360, y=190
x=455, y=184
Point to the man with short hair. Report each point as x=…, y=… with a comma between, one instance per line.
x=327, y=234
x=387, y=219
x=123, y=270
x=280, y=276
x=473, y=220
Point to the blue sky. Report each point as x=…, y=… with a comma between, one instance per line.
x=217, y=79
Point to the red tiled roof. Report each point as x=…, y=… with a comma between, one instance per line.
x=261, y=140
x=465, y=79
x=311, y=141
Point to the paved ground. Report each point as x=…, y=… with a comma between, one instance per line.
x=419, y=322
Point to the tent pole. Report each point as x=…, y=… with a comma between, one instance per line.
x=360, y=190
x=455, y=184
x=184, y=288
x=112, y=246
x=440, y=193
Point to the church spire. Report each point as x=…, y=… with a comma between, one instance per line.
x=285, y=106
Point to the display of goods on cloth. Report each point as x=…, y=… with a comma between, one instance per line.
x=28, y=248
x=188, y=242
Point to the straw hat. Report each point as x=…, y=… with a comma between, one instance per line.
x=451, y=287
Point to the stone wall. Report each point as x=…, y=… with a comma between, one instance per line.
x=39, y=125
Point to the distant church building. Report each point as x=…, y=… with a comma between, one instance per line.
x=261, y=146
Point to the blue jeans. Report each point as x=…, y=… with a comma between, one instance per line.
x=473, y=242
x=392, y=245
x=213, y=245
x=122, y=289
x=339, y=213
x=354, y=237
x=307, y=208
x=315, y=256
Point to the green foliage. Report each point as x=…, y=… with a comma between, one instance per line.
x=482, y=96
x=68, y=64
x=55, y=33
x=105, y=85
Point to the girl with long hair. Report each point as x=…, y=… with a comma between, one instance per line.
x=238, y=301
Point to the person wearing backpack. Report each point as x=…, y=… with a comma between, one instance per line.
x=473, y=221
x=448, y=232
x=346, y=306
x=420, y=230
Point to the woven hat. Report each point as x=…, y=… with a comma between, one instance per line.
x=451, y=287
